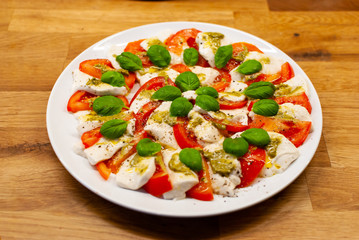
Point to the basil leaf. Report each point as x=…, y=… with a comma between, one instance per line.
x=260, y=90
x=256, y=136
x=249, y=67
x=180, y=107
x=190, y=56
x=187, y=81
x=191, y=158
x=237, y=146
x=129, y=61
x=107, y=105
x=167, y=93
x=146, y=147
x=114, y=128
x=113, y=78
x=210, y=91
x=223, y=55
x=159, y=55
x=207, y=103
x=266, y=107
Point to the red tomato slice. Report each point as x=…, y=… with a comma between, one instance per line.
x=144, y=113
x=124, y=100
x=231, y=64
x=136, y=48
x=91, y=137
x=104, y=171
x=239, y=47
x=301, y=99
x=160, y=182
x=130, y=80
x=222, y=81
x=79, y=101
x=296, y=131
x=184, y=137
x=180, y=68
x=251, y=163
x=286, y=73
x=201, y=61
x=153, y=84
x=202, y=190
x=93, y=67
x=230, y=126
x=177, y=41
x=266, y=78
x=229, y=105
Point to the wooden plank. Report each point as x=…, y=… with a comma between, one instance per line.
x=313, y=5
x=321, y=157
x=5, y=17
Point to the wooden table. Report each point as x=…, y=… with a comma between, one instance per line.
x=39, y=199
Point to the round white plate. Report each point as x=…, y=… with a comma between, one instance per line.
x=63, y=135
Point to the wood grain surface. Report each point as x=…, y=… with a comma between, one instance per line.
x=39, y=199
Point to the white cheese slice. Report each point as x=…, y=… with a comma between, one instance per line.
x=236, y=86
x=203, y=129
x=141, y=99
x=113, y=52
x=105, y=149
x=295, y=86
x=205, y=75
x=190, y=95
x=81, y=82
x=181, y=182
x=290, y=111
x=148, y=73
x=135, y=172
x=237, y=115
x=285, y=153
x=232, y=96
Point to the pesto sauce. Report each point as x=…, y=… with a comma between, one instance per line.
x=155, y=41
x=137, y=163
x=194, y=122
x=93, y=116
x=285, y=90
x=164, y=117
x=272, y=147
x=241, y=55
x=212, y=40
x=94, y=82
x=147, y=93
x=220, y=162
x=177, y=166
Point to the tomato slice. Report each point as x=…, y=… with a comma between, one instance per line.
x=231, y=64
x=177, y=41
x=153, y=84
x=191, y=42
x=286, y=73
x=301, y=99
x=184, y=137
x=229, y=105
x=180, y=68
x=79, y=101
x=144, y=113
x=296, y=131
x=230, y=126
x=160, y=182
x=240, y=46
x=136, y=48
x=91, y=137
x=130, y=80
x=124, y=100
x=104, y=171
x=251, y=163
x=222, y=81
x=94, y=67
x=202, y=190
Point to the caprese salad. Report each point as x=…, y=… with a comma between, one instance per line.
x=189, y=114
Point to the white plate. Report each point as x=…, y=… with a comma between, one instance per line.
x=63, y=135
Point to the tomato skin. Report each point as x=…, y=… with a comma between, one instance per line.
x=91, y=137
x=144, y=113
x=79, y=101
x=88, y=67
x=180, y=68
x=160, y=182
x=136, y=48
x=184, y=138
x=251, y=164
x=222, y=81
x=176, y=42
x=229, y=105
x=104, y=171
x=124, y=100
x=286, y=73
x=203, y=190
x=153, y=84
x=130, y=80
x=295, y=131
x=301, y=100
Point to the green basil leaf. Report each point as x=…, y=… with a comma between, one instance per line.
x=249, y=67
x=167, y=93
x=107, y=105
x=207, y=103
x=256, y=136
x=129, y=61
x=180, y=107
x=114, y=128
x=190, y=56
x=191, y=158
x=187, y=81
x=159, y=55
x=260, y=90
x=266, y=107
x=210, y=91
x=146, y=147
x=236, y=146
x=223, y=55
x=113, y=78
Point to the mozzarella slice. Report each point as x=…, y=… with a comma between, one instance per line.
x=205, y=75
x=181, y=181
x=141, y=99
x=113, y=52
x=105, y=149
x=237, y=115
x=280, y=154
x=223, y=184
x=83, y=81
x=203, y=129
x=148, y=73
x=159, y=125
x=135, y=172
x=232, y=96
x=294, y=86
x=190, y=95
x=236, y=86
x=291, y=111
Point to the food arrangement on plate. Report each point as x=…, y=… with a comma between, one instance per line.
x=189, y=114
